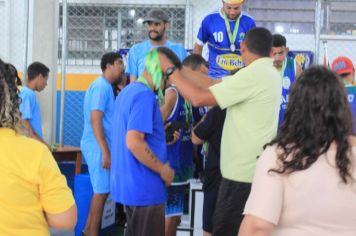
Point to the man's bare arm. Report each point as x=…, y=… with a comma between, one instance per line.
x=298, y=70
x=96, y=121
x=170, y=98
x=198, y=78
x=198, y=49
x=32, y=132
x=197, y=95
x=196, y=140
x=135, y=142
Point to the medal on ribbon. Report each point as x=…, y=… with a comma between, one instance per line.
x=232, y=36
x=232, y=47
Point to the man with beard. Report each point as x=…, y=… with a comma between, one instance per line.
x=288, y=68
x=223, y=31
x=157, y=24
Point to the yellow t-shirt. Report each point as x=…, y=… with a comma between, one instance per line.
x=252, y=97
x=30, y=184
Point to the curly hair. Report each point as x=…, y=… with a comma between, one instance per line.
x=318, y=114
x=9, y=99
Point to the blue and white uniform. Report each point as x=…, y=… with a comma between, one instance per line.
x=180, y=154
x=180, y=157
x=289, y=75
x=213, y=32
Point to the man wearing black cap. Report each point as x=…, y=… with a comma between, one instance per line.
x=157, y=24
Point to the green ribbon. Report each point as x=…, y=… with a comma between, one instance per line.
x=283, y=69
x=153, y=67
x=232, y=37
x=188, y=112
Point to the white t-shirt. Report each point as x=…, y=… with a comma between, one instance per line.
x=311, y=202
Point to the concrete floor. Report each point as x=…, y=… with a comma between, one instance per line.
x=55, y=232
x=117, y=231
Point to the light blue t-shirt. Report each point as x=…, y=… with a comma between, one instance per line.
x=137, y=54
x=99, y=96
x=30, y=109
x=131, y=182
x=213, y=32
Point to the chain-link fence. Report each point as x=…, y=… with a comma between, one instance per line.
x=13, y=29
x=92, y=30
x=95, y=27
x=338, y=29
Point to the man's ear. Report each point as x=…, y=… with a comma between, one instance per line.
x=287, y=50
x=166, y=25
x=273, y=51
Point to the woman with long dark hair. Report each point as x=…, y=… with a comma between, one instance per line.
x=305, y=179
x=34, y=194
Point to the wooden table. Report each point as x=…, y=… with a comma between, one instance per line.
x=69, y=153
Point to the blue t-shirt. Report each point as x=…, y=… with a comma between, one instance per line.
x=180, y=154
x=213, y=31
x=287, y=81
x=30, y=109
x=137, y=54
x=132, y=183
x=100, y=97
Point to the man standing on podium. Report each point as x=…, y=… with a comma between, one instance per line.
x=223, y=31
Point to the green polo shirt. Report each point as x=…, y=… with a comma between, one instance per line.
x=252, y=97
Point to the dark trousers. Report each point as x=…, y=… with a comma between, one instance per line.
x=210, y=198
x=145, y=220
x=229, y=207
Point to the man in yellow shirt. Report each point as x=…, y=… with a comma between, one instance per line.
x=34, y=195
x=252, y=99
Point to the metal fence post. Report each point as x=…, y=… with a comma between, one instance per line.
x=24, y=74
x=317, y=29
x=63, y=69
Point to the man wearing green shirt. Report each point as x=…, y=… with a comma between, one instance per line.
x=252, y=99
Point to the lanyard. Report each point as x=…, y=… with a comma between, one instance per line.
x=188, y=112
x=283, y=69
x=232, y=36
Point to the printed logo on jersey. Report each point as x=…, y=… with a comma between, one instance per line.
x=350, y=97
x=242, y=36
x=286, y=83
x=284, y=101
x=229, y=61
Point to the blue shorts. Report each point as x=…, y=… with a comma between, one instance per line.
x=175, y=200
x=99, y=177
